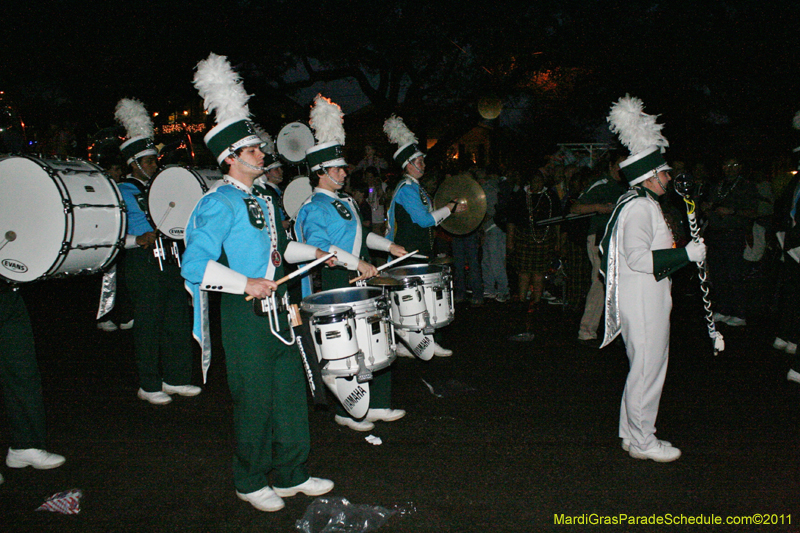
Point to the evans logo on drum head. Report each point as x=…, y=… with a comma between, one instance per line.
x=14, y=265
x=177, y=232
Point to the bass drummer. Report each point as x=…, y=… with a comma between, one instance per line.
x=330, y=220
x=269, y=183
x=161, y=339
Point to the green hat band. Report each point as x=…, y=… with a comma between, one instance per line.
x=137, y=147
x=638, y=168
x=407, y=153
x=329, y=154
x=224, y=139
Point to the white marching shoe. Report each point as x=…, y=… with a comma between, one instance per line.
x=182, y=390
x=626, y=444
x=440, y=351
x=384, y=415
x=658, y=453
x=156, y=398
x=38, y=459
x=263, y=500
x=353, y=424
x=313, y=486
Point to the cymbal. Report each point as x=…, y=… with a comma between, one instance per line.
x=469, y=192
x=383, y=281
x=443, y=260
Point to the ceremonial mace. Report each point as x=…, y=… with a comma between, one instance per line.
x=684, y=184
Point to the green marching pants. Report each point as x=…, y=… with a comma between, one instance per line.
x=19, y=374
x=270, y=408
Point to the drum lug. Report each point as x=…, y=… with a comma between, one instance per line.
x=65, y=248
x=68, y=206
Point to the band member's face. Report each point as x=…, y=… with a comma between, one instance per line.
x=148, y=164
x=275, y=175
x=335, y=178
x=731, y=168
x=115, y=171
x=252, y=155
x=416, y=167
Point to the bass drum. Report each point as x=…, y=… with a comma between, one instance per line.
x=57, y=218
x=293, y=140
x=172, y=194
x=295, y=195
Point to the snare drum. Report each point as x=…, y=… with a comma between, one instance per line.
x=57, y=218
x=172, y=195
x=437, y=284
x=327, y=311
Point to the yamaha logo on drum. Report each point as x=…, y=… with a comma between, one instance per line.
x=176, y=232
x=14, y=266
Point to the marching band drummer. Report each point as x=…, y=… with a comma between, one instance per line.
x=234, y=246
x=330, y=220
x=411, y=217
x=161, y=338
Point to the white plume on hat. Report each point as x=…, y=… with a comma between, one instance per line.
x=326, y=119
x=398, y=132
x=221, y=89
x=133, y=116
x=636, y=129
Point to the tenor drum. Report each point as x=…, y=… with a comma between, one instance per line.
x=408, y=308
x=437, y=284
x=334, y=333
x=293, y=140
x=172, y=194
x=57, y=218
x=328, y=309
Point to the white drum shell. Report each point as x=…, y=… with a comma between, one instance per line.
x=172, y=195
x=67, y=218
x=373, y=329
x=437, y=285
x=336, y=339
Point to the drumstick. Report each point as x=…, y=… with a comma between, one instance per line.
x=171, y=205
x=393, y=261
x=299, y=271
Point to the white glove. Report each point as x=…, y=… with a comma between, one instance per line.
x=696, y=251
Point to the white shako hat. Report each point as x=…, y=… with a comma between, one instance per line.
x=639, y=132
x=222, y=92
x=404, y=138
x=133, y=116
x=271, y=159
x=327, y=121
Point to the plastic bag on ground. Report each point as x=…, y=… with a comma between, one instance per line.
x=337, y=515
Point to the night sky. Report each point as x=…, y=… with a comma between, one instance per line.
x=723, y=74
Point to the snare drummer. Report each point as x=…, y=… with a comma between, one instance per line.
x=330, y=220
x=161, y=338
x=233, y=246
x=411, y=216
